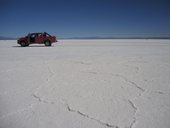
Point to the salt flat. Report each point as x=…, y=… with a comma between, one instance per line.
x=85, y=84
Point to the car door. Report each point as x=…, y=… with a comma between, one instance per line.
x=32, y=38
x=39, y=38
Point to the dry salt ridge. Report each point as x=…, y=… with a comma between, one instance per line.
x=85, y=84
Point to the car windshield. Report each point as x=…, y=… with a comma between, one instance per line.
x=28, y=35
x=45, y=33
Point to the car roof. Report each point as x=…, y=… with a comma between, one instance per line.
x=37, y=33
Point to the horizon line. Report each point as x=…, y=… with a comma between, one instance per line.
x=97, y=37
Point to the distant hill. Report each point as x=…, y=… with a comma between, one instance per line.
x=7, y=38
x=117, y=38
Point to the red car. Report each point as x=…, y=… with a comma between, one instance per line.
x=37, y=38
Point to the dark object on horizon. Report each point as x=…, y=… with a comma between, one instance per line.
x=37, y=38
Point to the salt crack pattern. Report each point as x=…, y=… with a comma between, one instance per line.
x=87, y=116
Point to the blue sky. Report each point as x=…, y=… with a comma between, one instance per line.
x=86, y=18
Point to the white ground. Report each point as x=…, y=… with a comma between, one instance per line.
x=85, y=84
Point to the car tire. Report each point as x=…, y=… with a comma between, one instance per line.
x=47, y=43
x=23, y=44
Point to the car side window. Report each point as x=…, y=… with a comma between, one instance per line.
x=39, y=35
x=44, y=35
x=33, y=36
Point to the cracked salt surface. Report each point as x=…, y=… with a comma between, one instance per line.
x=94, y=83
x=75, y=111
x=87, y=116
x=135, y=110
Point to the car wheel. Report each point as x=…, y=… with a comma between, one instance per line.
x=23, y=44
x=47, y=43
